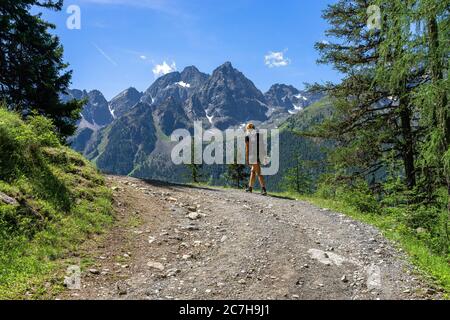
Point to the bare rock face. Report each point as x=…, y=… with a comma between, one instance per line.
x=7, y=199
x=124, y=102
x=229, y=98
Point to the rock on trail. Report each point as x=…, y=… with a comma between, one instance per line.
x=177, y=242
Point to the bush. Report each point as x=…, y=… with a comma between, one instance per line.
x=359, y=196
x=356, y=194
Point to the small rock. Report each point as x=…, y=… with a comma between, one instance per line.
x=94, y=271
x=122, y=289
x=186, y=257
x=172, y=272
x=430, y=291
x=242, y=281
x=193, y=216
x=421, y=230
x=7, y=199
x=155, y=265
x=344, y=279
x=224, y=238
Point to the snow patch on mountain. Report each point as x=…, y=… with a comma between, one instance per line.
x=183, y=84
x=111, y=111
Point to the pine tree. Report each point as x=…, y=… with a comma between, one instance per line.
x=371, y=120
x=194, y=169
x=431, y=51
x=32, y=72
x=298, y=178
x=237, y=173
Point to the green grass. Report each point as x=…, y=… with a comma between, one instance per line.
x=62, y=200
x=432, y=265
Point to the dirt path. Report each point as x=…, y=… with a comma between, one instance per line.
x=173, y=242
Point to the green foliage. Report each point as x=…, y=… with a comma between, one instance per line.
x=236, y=174
x=61, y=198
x=299, y=178
x=355, y=193
x=33, y=74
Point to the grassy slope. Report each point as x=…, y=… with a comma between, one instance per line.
x=61, y=200
x=430, y=264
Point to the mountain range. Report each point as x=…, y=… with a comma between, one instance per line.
x=129, y=135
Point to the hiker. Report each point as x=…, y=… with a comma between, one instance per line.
x=252, y=139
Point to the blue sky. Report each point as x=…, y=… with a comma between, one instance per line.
x=125, y=43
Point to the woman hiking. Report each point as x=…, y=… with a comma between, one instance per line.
x=252, y=140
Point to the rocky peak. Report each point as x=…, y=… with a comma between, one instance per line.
x=124, y=102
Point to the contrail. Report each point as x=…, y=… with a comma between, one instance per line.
x=103, y=53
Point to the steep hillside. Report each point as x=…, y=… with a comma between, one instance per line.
x=128, y=141
x=293, y=145
x=51, y=199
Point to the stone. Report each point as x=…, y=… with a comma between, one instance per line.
x=94, y=271
x=155, y=265
x=172, y=272
x=327, y=258
x=122, y=289
x=192, y=209
x=193, y=216
x=8, y=200
x=421, y=230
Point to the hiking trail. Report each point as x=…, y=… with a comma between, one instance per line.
x=180, y=242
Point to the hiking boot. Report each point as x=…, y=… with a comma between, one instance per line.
x=264, y=192
x=249, y=189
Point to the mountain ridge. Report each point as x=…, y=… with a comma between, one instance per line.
x=224, y=99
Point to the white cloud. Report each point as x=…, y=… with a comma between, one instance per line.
x=276, y=59
x=143, y=57
x=164, y=68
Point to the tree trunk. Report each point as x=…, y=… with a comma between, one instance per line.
x=408, y=148
x=441, y=116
